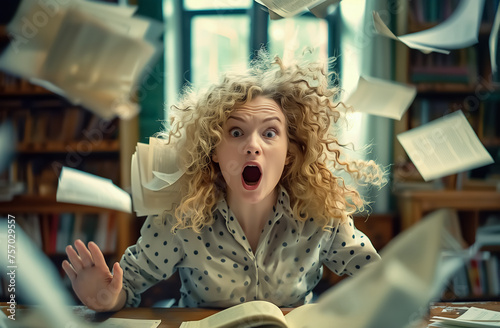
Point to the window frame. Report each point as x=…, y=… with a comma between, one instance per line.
x=259, y=32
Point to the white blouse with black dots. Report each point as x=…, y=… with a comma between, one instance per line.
x=219, y=269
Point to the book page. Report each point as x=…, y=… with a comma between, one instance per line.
x=50, y=300
x=444, y=146
x=460, y=30
x=28, y=49
x=493, y=41
x=84, y=62
x=164, y=162
x=41, y=284
x=154, y=191
x=128, y=323
x=92, y=54
x=107, y=8
x=250, y=314
x=79, y=187
x=289, y=8
x=474, y=317
x=381, y=97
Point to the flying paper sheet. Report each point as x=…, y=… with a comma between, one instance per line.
x=381, y=97
x=79, y=187
x=493, y=41
x=288, y=8
x=156, y=177
x=460, y=30
x=91, y=53
x=39, y=282
x=444, y=146
x=413, y=270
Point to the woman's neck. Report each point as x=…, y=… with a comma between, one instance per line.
x=252, y=216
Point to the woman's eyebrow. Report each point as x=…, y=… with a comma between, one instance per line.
x=236, y=118
x=271, y=119
x=267, y=119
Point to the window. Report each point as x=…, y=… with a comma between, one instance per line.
x=218, y=43
x=221, y=35
x=217, y=4
x=295, y=35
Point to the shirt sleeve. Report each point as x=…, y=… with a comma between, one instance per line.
x=350, y=250
x=153, y=258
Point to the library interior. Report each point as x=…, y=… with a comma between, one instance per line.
x=423, y=88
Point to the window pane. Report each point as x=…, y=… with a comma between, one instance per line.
x=292, y=36
x=218, y=43
x=216, y=4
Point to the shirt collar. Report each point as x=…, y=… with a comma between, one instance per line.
x=282, y=204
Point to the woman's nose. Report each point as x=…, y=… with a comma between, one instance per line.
x=253, y=147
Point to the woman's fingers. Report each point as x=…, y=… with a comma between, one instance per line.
x=68, y=268
x=117, y=282
x=96, y=254
x=84, y=254
x=74, y=259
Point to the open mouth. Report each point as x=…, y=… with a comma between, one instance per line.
x=251, y=176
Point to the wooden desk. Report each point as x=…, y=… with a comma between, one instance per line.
x=172, y=318
x=415, y=204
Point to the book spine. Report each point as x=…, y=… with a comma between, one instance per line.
x=474, y=277
x=493, y=276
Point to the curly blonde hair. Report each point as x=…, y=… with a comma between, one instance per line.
x=307, y=95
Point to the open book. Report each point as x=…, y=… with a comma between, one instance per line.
x=391, y=293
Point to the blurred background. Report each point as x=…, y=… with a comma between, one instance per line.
x=204, y=38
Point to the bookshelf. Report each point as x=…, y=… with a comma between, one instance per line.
x=50, y=133
x=462, y=80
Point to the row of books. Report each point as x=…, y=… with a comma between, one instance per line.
x=431, y=11
x=483, y=116
x=425, y=109
x=53, y=232
x=11, y=84
x=49, y=124
x=460, y=66
x=39, y=175
x=489, y=131
x=479, y=276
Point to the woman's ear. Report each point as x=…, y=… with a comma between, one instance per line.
x=215, y=158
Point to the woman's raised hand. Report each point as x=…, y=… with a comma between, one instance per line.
x=93, y=283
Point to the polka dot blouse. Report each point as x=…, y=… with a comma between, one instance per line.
x=218, y=268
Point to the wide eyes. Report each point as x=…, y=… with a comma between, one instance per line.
x=237, y=132
x=270, y=134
